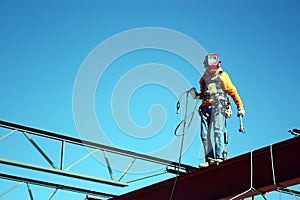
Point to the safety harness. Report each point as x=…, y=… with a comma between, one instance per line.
x=213, y=88
x=214, y=91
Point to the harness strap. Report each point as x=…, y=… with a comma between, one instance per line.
x=219, y=93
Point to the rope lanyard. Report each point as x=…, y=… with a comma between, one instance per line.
x=186, y=126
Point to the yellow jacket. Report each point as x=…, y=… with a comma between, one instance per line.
x=228, y=87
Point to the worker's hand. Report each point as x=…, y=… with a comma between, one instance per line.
x=241, y=112
x=193, y=93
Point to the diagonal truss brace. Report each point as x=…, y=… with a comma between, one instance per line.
x=40, y=150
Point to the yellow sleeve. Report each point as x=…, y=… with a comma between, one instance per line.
x=231, y=90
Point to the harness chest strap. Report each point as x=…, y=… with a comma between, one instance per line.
x=213, y=89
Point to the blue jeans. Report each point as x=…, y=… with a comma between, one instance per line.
x=212, y=121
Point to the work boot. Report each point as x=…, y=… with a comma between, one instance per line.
x=218, y=161
x=212, y=161
x=206, y=164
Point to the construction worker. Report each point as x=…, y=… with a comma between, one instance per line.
x=215, y=84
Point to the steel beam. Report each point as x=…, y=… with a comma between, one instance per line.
x=253, y=173
x=56, y=186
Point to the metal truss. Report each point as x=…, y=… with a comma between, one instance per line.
x=28, y=132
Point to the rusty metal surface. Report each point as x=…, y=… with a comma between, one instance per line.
x=260, y=171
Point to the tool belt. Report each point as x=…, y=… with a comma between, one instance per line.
x=224, y=101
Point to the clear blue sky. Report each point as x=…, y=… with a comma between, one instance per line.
x=46, y=46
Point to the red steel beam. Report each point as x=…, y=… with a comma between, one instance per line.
x=256, y=172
